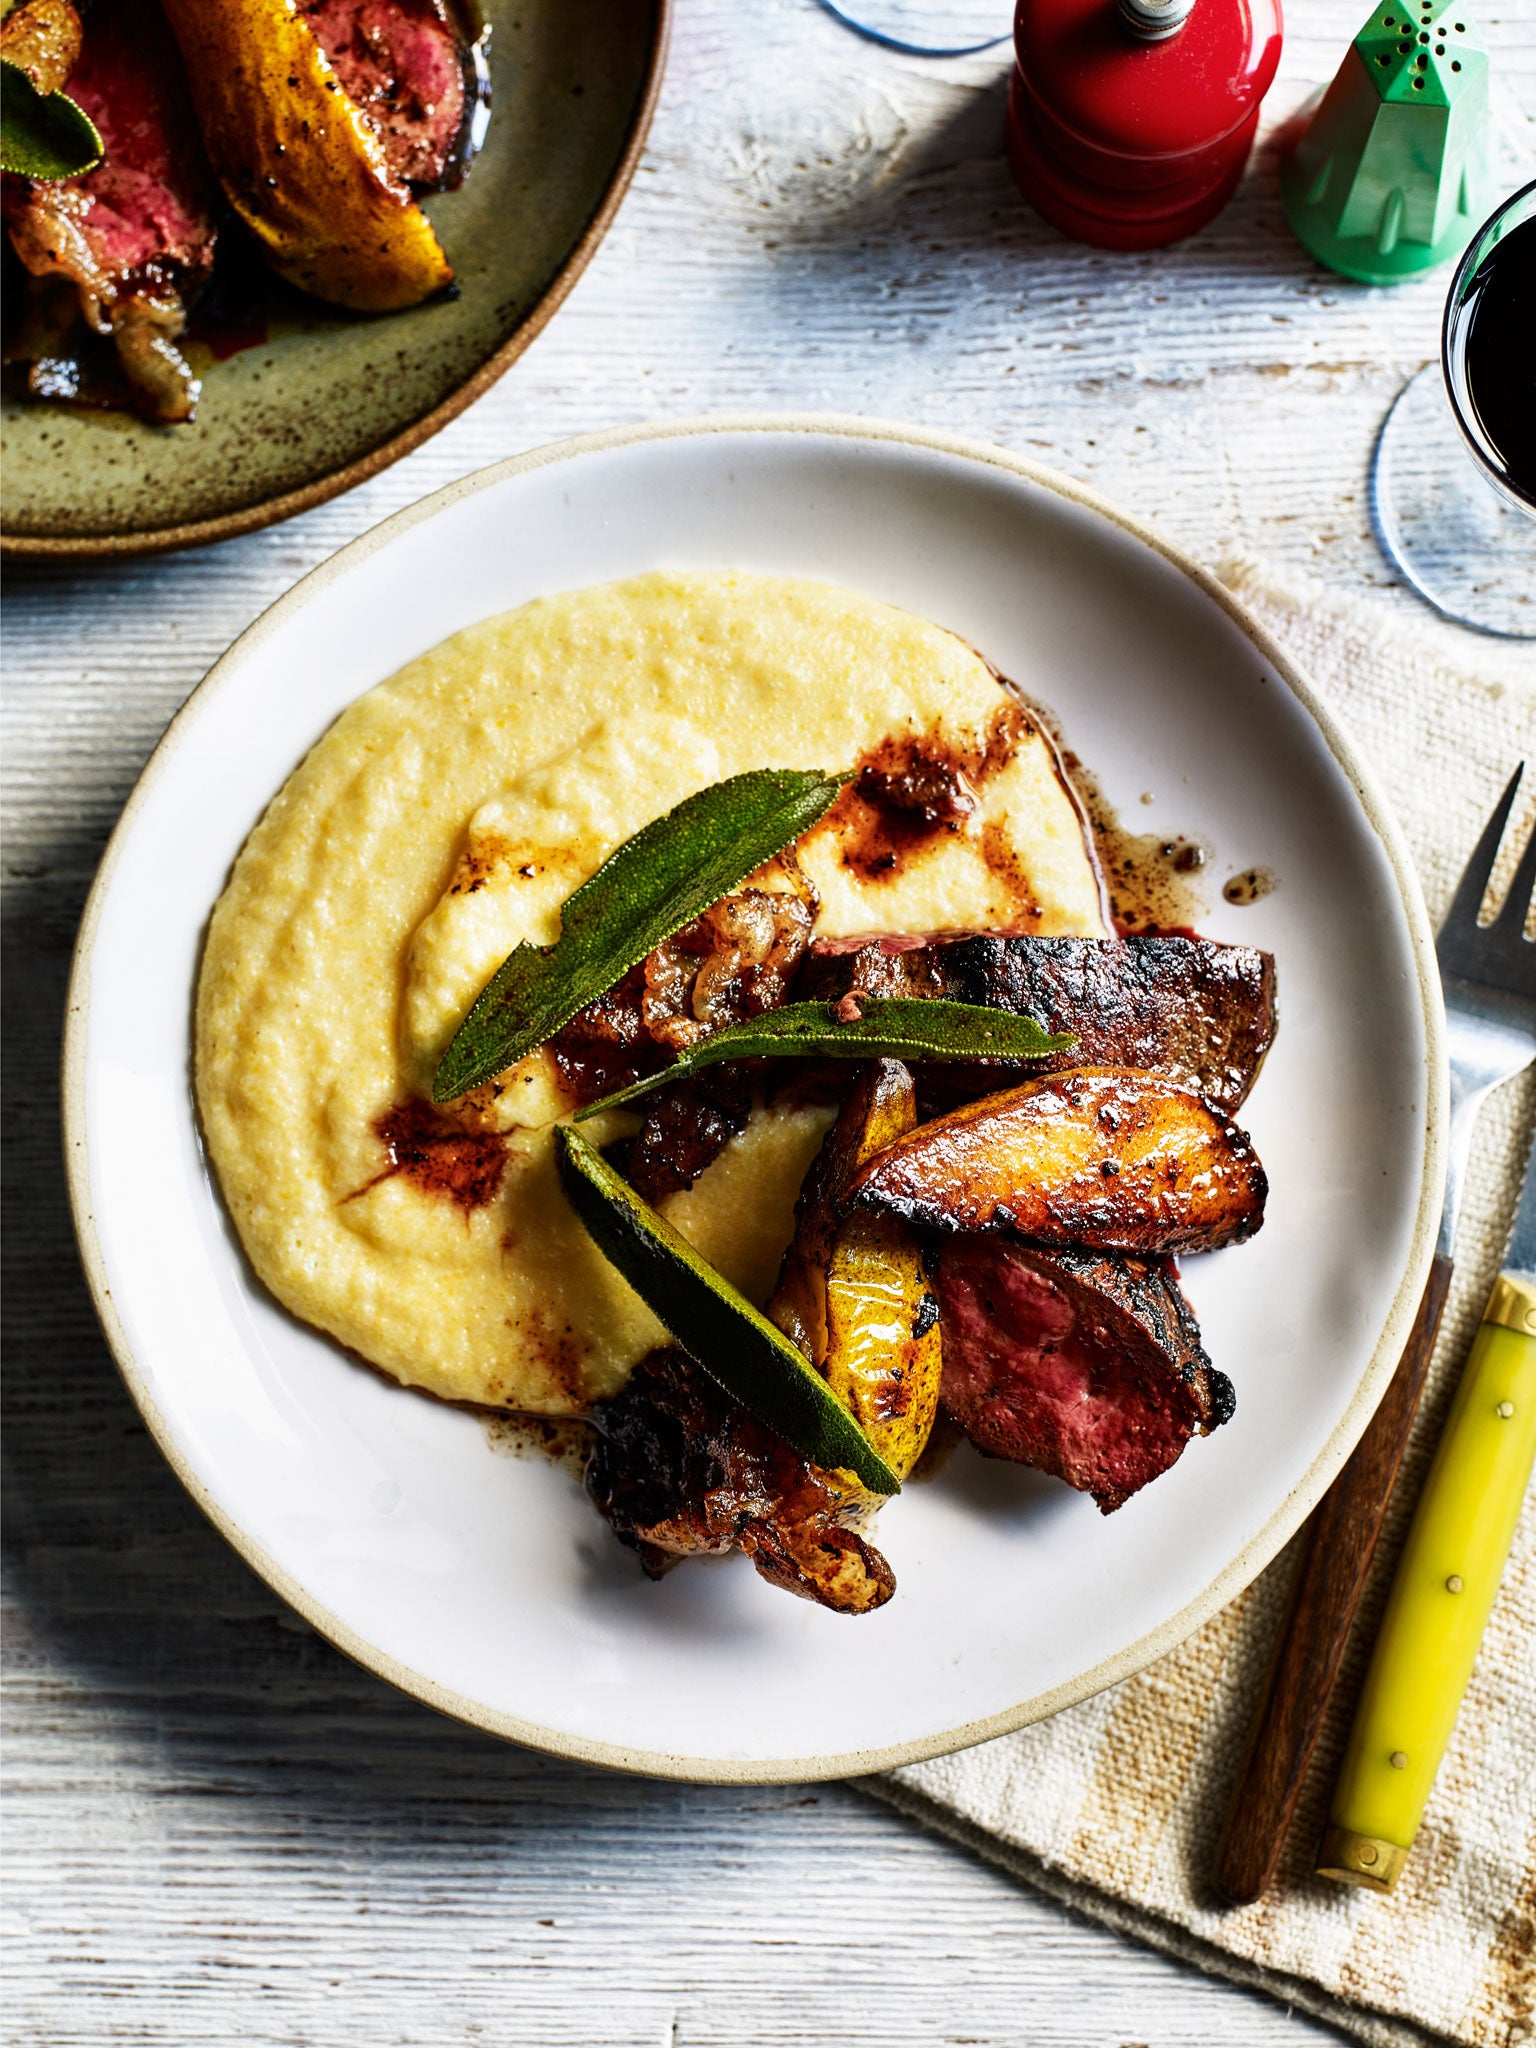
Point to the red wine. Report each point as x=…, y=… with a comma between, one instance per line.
x=1500, y=355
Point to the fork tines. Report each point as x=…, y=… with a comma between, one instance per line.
x=1498, y=954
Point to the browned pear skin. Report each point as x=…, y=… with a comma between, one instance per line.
x=301, y=165
x=1106, y=1157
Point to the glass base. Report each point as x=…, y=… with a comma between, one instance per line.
x=1443, y=526
x=927, y=28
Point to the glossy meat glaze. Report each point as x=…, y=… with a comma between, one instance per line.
x=1199, y=1012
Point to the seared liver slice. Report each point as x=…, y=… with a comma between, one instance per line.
x=1082, y=1364
x=686, y=1127
x=403, y=64
x=135, y=237
x=679, y=1469
x=153, y=199
x=1199, y=1012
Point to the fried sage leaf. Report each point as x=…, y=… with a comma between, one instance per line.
x=650, y=887
x=886, y=1027
x=43, y=134
x=734, y=1343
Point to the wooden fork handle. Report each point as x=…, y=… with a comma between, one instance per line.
x=1336, y=1555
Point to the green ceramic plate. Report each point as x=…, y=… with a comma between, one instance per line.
x=330, y=398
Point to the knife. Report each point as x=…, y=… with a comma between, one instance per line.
x=1445, y=1584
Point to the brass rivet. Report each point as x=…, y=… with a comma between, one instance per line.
x=1454, y=1583
x=1368, y=1854
x=1505, y=1409
x=1398, y=1760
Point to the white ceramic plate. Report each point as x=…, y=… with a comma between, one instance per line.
x=485, y=1584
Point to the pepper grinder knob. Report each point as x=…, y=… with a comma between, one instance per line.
x=1154, y=21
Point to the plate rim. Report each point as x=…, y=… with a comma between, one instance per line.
x=192, y=533
x=1235, y=1575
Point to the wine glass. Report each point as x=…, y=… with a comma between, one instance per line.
x=927, y=28
x=1454, y=505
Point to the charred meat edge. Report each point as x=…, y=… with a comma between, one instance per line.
x=679, y=1470
x=1200, y=1012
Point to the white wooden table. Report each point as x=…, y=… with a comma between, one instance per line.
x=218, y=1831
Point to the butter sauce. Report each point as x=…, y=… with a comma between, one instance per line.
x=1151, y=876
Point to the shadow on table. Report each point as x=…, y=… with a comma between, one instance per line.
x=902, y=224
x=127, y=1611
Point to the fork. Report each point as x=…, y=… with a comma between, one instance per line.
x=1489, y=977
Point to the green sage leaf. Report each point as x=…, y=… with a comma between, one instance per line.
x=734, y=1343
x=43, y=134
x=887, y=1027
x=648, y=888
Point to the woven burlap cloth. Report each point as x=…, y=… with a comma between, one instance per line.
x=1113, y=1807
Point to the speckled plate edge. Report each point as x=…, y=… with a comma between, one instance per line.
x=21, y=547
x=1229, y=1582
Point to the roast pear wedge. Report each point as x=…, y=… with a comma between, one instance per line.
x=299, y=162
x=1104, y=1157
x=853, y=1292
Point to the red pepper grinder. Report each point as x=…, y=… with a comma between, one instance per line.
x=1129, y=121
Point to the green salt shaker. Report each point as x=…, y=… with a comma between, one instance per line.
x=1392, y=173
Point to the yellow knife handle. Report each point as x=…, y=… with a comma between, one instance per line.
x=1447, y=1578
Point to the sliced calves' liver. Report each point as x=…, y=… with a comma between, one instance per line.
x=678, y=1470
x=403, y=63
x=1082, y=1364
x=134, y=237
x=1199, y=1012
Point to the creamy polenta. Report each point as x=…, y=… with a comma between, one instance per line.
x=445, y=817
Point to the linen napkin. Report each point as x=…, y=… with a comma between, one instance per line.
x=1114, y=1806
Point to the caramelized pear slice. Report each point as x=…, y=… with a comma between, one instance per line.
x=853, y=1294
x=301, y=164
x=1105, y=1157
